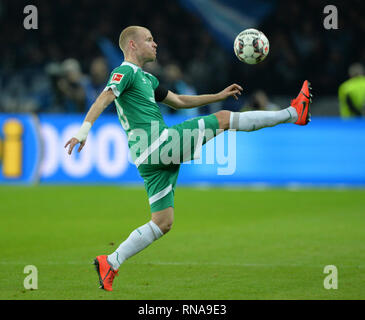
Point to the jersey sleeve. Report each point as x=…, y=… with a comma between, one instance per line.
x=153, y=80
x=120, y=80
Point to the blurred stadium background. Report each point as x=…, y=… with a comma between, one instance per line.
x=56, y=71
x=49, y=78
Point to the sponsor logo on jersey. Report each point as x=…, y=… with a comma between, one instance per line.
x=117, y=77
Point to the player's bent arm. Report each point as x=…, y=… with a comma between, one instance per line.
x=104, y=99
x=178, y=101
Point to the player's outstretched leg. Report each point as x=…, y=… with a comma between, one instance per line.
x=298, y=113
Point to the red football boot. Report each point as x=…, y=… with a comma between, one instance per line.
x=105, y=272
x=302, y=104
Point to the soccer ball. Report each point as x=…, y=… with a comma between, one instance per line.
x=251, y=46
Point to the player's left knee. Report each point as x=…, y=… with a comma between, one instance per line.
x=223, y=117
x=166, y=227
x=164, y=219
x=165, y=224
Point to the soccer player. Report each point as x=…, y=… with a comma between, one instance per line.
x=135, y=93
x=351, y=93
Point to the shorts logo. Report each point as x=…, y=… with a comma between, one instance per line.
x=117, y=77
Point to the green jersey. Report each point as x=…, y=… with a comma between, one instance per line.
x=138, y=111
x=135, y=101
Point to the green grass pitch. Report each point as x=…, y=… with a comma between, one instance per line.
x=225, y=243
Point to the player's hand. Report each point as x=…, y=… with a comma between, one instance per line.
x=234, y=90
x=72, y=143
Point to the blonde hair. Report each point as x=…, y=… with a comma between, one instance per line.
x=126, y=35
